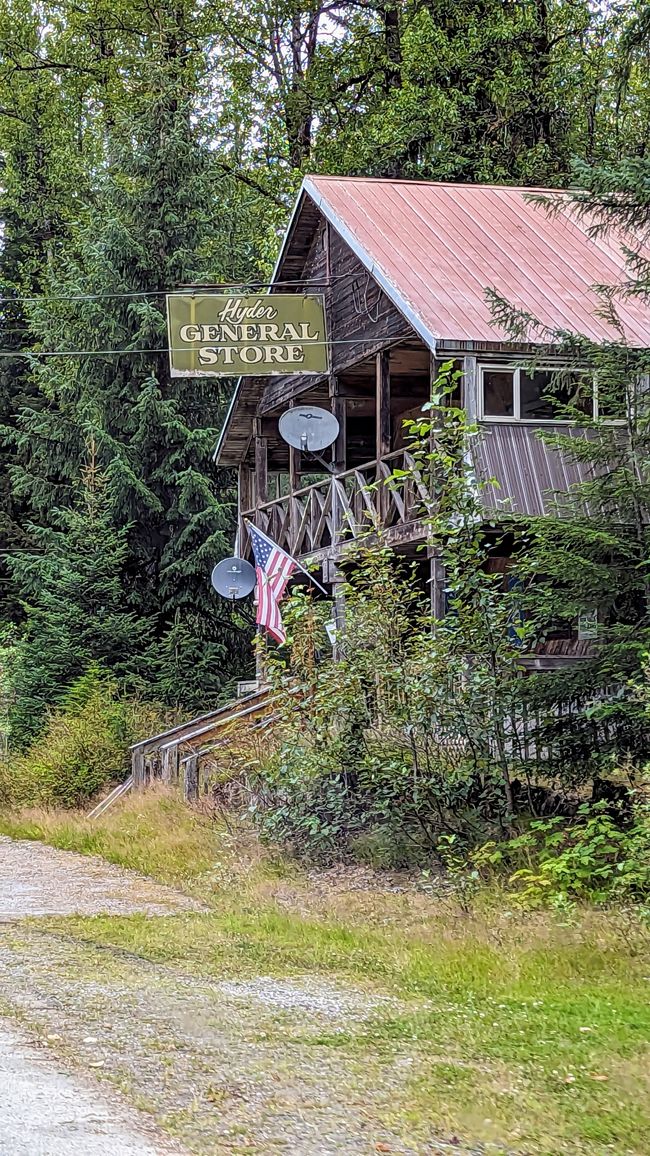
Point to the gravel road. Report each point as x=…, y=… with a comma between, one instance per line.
x=39, y=880
x=47, y=1112
x=238, y=1064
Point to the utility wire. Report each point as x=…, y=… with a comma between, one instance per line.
x=185, y=290
x=166, y=349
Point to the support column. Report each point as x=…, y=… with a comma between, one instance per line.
x=471, y=401
x=137, y=769
x=382, y=424
x=191, y=779
x=382, y=379
x=295, y=461
x=437, y=584
x=338, y=407
x=170, y=765
x=261, y=466
x=245, y=504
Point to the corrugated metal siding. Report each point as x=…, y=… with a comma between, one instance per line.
x=528, y=471
x=441, y=246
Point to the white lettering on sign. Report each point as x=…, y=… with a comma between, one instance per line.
x=237, y=311
x=247, y=332
x=251, y=354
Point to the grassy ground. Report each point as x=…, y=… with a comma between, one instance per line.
x=519, y=1030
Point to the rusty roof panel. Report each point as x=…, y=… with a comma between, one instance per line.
x=528, y=471
x=439, y=247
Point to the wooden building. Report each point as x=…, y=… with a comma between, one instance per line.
x=405, y=267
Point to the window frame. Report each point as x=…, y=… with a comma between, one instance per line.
x=501, y=367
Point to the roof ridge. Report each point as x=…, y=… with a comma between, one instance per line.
x=430, y=183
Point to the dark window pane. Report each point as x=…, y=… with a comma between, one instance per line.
x=533, y=387
x=498, y=392
x=611, y=397
x=546, y=391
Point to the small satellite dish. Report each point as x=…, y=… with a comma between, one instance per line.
x=308, y=428
x=233, y=578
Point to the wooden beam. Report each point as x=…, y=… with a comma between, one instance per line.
x=437, y=583
x=470, y=388
x=338, y=406
x=382, y=384
x=295, y=466
x=191, y=782
x=261, y=466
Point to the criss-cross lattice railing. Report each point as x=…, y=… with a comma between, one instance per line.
x=388, y=494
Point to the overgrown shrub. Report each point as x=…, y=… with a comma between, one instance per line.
x=84, y=747
x=427, y=727
x=394, y=737
x=600, y=856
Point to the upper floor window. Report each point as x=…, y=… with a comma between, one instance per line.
x=534, y=395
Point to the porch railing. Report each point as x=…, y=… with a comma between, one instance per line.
x=388, y=494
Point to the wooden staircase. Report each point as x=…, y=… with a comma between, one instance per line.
x=178, y=755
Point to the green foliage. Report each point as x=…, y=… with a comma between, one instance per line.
x=424, y=736
x=75, y=615
x=407, y=731
x=83, y=748
x=601, y=856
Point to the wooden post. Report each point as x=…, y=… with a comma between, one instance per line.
x=191, y=779
x=382, y=379
x=382, y=412
x=170, y=765
x=339, y=409
x=261, y=466
x=294, y=484
x=137, y=768
x=295, y=466
x=245, y=503
x=437, y=583
x=470, y=389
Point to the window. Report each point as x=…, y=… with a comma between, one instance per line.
x=498, y=392
x=534, y=395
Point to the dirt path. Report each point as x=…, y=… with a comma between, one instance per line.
x=249, y=1066
x=39, y=880
x=46, y=1112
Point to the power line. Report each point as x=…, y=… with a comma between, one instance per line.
x=185, y=290
x=163, y=349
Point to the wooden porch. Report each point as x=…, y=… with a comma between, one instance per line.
x=389, y=494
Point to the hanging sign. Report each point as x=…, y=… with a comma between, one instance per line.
x=260, y=335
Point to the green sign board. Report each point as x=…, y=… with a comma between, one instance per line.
x=262, y=334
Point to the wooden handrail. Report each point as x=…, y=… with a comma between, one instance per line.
x=343, y=505
x=325, y=482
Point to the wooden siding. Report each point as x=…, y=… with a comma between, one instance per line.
x=361, y=319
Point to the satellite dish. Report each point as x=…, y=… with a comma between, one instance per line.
x=308, y=428
x=233, y=578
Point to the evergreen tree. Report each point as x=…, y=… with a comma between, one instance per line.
x=75, y=611
x=151, y=231
x=43, y=182
x=588, y=560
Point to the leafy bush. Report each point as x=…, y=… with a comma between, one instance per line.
x=84, y=747
x=601, y=856
x=391, y=745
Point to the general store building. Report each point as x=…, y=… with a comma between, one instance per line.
x=406, y=267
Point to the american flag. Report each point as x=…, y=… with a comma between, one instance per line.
x=274, y=568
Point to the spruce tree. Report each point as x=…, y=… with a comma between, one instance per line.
x=105, y=367
x=74, y=605
x=587, y=562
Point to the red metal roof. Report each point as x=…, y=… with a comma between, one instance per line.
x=436, y=248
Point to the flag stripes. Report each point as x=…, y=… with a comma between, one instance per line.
x=274, y=568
